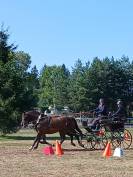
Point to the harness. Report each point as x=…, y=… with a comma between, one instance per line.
x=47, y=120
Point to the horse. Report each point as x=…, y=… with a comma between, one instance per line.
x=33, y=116
x=64, y=125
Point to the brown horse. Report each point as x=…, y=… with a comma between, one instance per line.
x=32, y=116
x=63, y=125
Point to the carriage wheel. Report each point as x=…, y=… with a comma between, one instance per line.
x=126, y=139
x=99, y=141
x=115, y=138
x=86, y=141
x=121, y=139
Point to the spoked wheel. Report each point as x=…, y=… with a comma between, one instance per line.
x=126, y=139
x=121, y=139
x=99, y=141
x=115, y=139
x=86, y=141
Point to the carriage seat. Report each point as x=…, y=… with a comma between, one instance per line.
x=115, y=123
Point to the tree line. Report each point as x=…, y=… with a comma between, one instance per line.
x=23, y=88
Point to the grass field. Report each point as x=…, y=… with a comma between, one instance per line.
x=17, y=161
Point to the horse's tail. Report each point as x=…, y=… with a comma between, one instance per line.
x=77, y=128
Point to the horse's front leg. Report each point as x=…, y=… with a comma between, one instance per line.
x=44, y=141
x=36, y=142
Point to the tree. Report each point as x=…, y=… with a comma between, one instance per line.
x=5, y=48
x=16, y=85
x=54, y=86
x=78, y=99
x=109, y=78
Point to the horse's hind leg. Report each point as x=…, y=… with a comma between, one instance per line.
x=78, y=129
x=79, y=142
x=71, y=137
x=43, y=138
x=62, y=136
x=77, y=137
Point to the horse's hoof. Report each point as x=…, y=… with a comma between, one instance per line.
x=30, y=148
x=73, y=144
x=82, y=145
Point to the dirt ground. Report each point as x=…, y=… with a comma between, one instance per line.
x=17, y=161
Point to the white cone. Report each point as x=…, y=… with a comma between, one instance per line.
x=118, y=152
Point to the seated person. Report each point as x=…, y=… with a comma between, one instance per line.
x=118, y=118
x=101, y=111
x=120, y=114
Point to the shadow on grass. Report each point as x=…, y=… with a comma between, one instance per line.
x=78, y=150
x=28, y=138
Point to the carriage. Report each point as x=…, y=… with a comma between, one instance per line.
x=110, y=130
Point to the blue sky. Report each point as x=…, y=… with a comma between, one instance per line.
x=61, y=31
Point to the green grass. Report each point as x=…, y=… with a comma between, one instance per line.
x=30, y=134
x=25, y=134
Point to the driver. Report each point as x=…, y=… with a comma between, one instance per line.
x=100, y=111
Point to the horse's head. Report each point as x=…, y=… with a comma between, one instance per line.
x=29, y=117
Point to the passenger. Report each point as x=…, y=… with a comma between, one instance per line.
x=120, y=114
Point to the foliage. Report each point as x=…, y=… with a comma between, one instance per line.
x=78, y=90
x=81, y=89
x=22, y=88
x=53, y=86
x=17, y=85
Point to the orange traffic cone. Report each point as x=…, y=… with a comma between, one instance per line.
x=58, y=150
x=107, y=152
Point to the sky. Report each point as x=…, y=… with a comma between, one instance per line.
x=62, y=31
